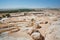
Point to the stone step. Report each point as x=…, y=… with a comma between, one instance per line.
x=9, y=29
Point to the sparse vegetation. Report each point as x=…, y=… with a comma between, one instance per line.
x=0, y=18
x=3, y=16
x=17, y=10
x=8, y=15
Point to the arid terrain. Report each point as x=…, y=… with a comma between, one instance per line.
x=34, y=25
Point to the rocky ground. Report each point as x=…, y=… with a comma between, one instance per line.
x=32, y=27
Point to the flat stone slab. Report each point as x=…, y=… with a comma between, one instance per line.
x=16, y=36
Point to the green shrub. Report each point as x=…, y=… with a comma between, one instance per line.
x=3, y=16
x=0, y=18
x=8, y=15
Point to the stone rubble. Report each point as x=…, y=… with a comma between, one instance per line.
x=31, y=27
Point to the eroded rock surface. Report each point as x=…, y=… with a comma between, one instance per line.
x=33, y=26
x=53, y=32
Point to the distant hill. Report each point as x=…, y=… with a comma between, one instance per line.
x=26, y=10
x=15, y=10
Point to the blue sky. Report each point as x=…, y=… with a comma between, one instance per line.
x=7, y=4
